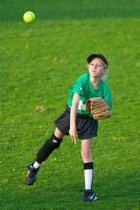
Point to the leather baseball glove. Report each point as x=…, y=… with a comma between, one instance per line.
x=98, y=107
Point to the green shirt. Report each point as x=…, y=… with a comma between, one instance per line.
x=85, y=89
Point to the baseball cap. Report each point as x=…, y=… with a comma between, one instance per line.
x=102, y=57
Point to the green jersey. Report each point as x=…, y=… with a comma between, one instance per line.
x=85, y=89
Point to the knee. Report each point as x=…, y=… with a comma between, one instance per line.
x=55, y=141
x=58, y=134
x=86, y=156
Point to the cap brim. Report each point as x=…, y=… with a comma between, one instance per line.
x=92, y=56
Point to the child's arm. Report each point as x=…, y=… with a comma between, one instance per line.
x=73, y=130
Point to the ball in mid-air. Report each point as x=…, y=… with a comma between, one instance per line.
x=28, y=17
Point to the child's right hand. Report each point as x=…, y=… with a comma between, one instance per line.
x=73, y=133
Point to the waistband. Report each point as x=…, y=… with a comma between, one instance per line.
x=84, y=116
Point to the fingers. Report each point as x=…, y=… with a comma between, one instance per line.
x=73, y=133
x=73, y=139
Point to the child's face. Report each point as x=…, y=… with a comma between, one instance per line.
x=96, y=68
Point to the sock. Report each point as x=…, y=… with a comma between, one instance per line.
x=88, y=173
x=36, y=165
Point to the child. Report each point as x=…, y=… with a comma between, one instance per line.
x=75, y=120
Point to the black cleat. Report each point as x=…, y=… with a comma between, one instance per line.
x=31, y=175
x=89, y=196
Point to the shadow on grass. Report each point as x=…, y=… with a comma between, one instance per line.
x=115, y=191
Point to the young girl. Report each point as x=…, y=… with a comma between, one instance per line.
x=75, y=120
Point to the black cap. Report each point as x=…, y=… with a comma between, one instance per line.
x=92, y=56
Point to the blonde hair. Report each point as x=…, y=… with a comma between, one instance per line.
x=105, y=76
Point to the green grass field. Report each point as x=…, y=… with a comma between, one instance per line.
x=39, y=62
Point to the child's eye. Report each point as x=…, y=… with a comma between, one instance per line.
x=97, y=65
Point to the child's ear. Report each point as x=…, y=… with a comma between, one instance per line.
x=104, y=71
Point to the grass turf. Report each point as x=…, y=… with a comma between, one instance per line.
x=39, y=62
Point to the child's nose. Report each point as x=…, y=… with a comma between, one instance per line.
x=95, y=66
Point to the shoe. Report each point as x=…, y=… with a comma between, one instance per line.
x=89, y=196
x=31, y=175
